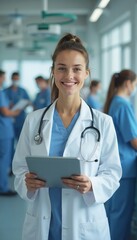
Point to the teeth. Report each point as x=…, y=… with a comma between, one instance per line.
x=69, y=84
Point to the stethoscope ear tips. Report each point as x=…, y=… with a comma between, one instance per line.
x=38, y=139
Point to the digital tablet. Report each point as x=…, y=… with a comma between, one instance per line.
x=52, y=169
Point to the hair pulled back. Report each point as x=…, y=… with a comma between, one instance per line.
x=67, y=42
x=118, y=80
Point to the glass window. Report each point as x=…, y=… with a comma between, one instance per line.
x=115, y=37
x=104, y=43
x=115, y=59
x=31, y=69
x=116, y=53
x=105, y=69
x=126, y=57
x=126, y=32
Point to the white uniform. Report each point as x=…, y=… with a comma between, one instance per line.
x=83, y=215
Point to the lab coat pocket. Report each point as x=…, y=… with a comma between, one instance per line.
x=29, y=228
x=95, y=229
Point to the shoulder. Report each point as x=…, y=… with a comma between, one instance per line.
x=98, y=116
x=101, y=117
x=35, y=114
x=6, y=90
x=22, y=89
x=2, y=93
x=120, y=105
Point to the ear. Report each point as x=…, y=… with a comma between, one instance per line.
x=127, y=83
x=87, y=73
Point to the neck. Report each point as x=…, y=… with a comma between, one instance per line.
x=14, y=87
x=68, y=105
x=122, y=93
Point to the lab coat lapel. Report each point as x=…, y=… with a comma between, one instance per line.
x=47, y=127
x=84, y=119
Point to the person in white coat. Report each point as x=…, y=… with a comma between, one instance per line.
x=76, y=212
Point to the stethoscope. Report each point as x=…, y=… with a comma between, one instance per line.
x=38, y=138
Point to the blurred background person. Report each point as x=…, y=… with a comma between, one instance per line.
x=120, y=207
x=93, y=98
x=15, y=93
x=6, y=139
x=43, y=97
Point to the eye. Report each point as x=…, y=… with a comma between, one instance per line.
x=77, y=69
x=61, y=69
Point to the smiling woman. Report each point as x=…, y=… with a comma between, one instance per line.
x=76, y=211
x=70, y=73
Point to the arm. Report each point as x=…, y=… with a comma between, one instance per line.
x=9, y=113
x=134, y=143
x=20, y=168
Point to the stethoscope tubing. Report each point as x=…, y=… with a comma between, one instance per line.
x=38, y=137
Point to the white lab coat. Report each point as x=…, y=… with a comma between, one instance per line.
x=83, y=215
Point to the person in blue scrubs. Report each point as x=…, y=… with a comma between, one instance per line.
x=43, y=97
x=93, y=99
x=120, y=206
x=15, y=93
x=6, y=139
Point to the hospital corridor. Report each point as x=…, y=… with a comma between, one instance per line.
x=68, y=120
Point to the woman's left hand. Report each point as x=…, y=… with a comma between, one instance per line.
x=80, y=183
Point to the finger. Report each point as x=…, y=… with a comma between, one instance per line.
x=80, y=178
x=30, y=175
x=35, y=182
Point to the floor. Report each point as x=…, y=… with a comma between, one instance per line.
x=12, y=212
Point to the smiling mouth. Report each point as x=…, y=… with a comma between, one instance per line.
x=69, y=84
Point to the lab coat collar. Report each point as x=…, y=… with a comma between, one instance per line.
x=85, y=113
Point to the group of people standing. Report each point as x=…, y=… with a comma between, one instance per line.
x=11, y=121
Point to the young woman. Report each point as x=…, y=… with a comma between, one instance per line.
x=76, y=212
x=120, y=206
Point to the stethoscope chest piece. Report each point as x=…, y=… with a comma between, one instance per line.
x=38, y=139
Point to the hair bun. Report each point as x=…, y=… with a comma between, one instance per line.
x=117, y=75
x=69, y=38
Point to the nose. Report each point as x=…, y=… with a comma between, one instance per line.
x=69, y=74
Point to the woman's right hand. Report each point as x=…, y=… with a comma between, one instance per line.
x=33, y=183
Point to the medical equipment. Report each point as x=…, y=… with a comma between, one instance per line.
x=38, y=137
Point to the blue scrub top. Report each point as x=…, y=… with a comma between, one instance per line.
x=6, y=124
x=126, y=128
x=43, y=99
x=93, y=102
x=59, y=138
x=14, y=97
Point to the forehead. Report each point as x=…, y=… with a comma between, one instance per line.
x=70, y=57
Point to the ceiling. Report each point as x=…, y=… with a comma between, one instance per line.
x=16, y=15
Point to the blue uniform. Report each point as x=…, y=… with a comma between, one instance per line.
x=14, y=96
x=6, y=143
x=93, y=102
x=43, y=99
x=59, y=138
x=120, y=206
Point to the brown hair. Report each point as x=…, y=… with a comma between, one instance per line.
x=68, y=42
x=94, y=83
x=117, y=80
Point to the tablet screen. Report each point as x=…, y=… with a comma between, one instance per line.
x=52, y=169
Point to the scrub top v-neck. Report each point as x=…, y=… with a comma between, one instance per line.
x=59, y=138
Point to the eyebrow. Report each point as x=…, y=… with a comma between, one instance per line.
x=75, y=65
